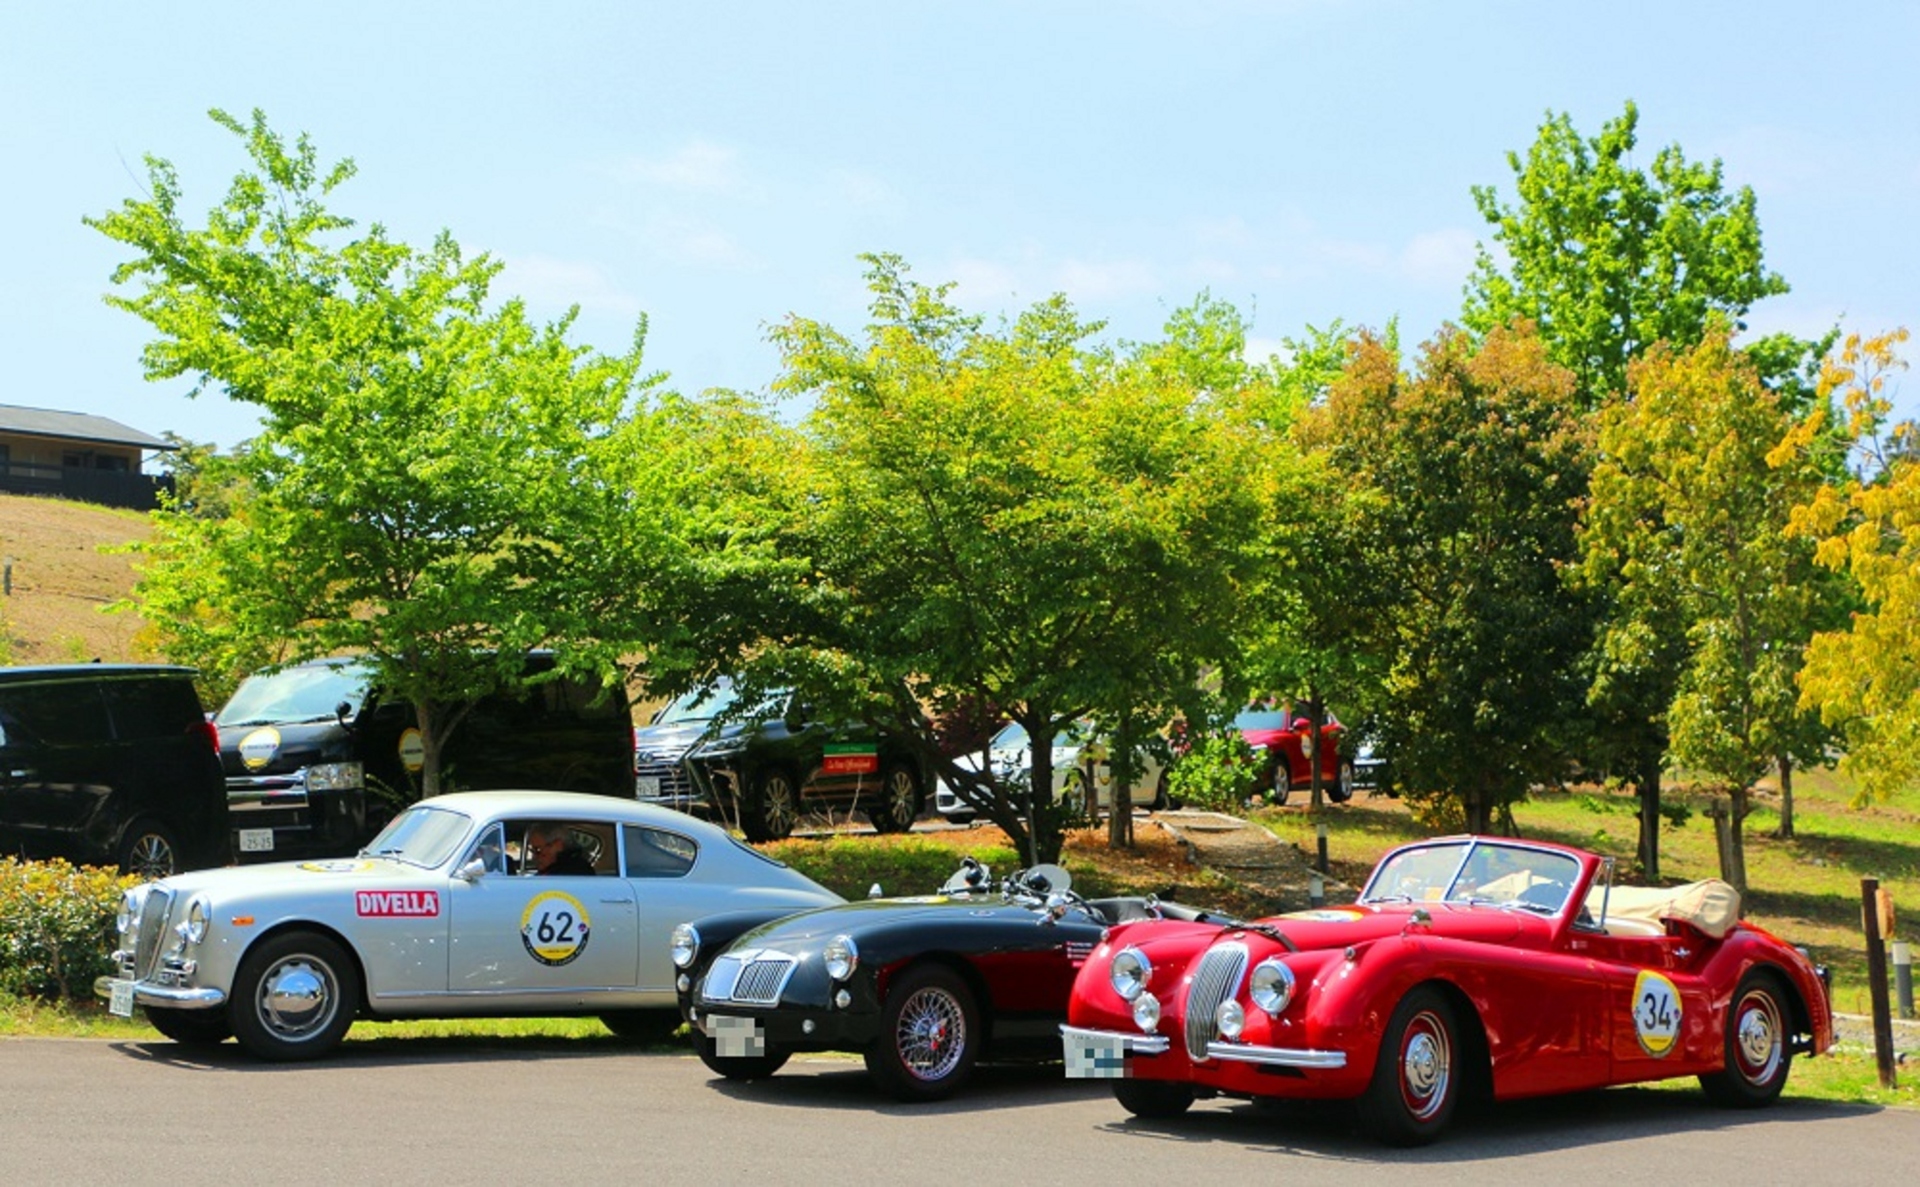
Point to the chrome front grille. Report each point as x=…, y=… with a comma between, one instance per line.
x=750, y=978
x=669, y=770
x=1216, y=979
x=155, y=910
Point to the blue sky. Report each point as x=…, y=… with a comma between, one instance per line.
x=720, y=166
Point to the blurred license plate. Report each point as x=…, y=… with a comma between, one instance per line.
x=256, y=840
x=647, y=784
x=120, y=1004
x=1096, y=1057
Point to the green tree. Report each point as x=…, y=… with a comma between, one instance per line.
x=1608, y=259
x=434, y=482
x=1475, y=463
x=1016, y=518
x=1689, y=515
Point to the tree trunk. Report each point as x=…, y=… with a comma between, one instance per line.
x=1741, y=804
x=1043, y=815
x=1479, y=814
x=1649, y=787
x=1120, y=767
x=1316, y=717
x=1785, y=763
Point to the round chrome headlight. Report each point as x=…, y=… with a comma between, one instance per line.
x=841, y=956
x=129, y=915
x=1230, y=1018
x=1146, y=1012
x=1271, y=986
x=199, y=915
x=1130, y=972
x=686, y=945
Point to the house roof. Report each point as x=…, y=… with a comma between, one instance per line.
x=74, y=426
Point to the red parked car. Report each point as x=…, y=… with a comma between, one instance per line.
x=1281, y=739
x=1469, y=965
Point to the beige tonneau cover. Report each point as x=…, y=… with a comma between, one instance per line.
x=1709, y=905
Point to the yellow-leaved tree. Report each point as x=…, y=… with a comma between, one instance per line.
x=1865, y=680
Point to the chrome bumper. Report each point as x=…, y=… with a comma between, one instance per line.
x=1085, y=1047
x=145, y=994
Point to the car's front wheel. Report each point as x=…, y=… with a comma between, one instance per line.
x=773, y=808
x=294, y=997
x=149, y=850
x=899, y=803
x=738, y=1067
x=1758, y=1056
x=1416, y=1079
x=1342, y=789
x=192, y=1028
x=1153, y=1099
x=929, y=1036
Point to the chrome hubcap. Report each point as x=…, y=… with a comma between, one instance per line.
x=1425, y=1066
x=151, y=857
x=1758, y=1038
x=931, y=1035
x=297, y=998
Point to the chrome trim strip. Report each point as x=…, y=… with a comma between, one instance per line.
x=1132, y=1043
x=1277, y=1056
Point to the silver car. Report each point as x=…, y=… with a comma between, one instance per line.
x=446, y=913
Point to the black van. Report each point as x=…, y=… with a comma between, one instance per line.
x=316, y=760
x=110, y=764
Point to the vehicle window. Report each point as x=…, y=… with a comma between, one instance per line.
x=1262, y=719
x=656, y=853
x=491, y=851
x=696, y=707
x=1420, y=874
x=149, y=707
x=69, y=713
x=421, y=836
x=1504, y=874
x=560, y=847
x=1011, y=736
x=308, y=693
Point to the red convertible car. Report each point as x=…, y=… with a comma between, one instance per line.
x=1281, y=740
x=1495, y=967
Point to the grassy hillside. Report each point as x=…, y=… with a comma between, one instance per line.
x=62, y=581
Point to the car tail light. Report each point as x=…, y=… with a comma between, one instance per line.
x=211, y=731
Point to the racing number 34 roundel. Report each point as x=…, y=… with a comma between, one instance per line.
x=555, y=928
x=1656, y=1012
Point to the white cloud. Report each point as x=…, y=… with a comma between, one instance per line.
x=1088, y=281
x=1443, y=257
x=699, y=167
x=1259, y=350
x=985, y=284
x=549, y=283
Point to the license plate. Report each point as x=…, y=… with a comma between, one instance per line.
x=735, y=1038
x=1096, y=1057
x=647, y=784
x=120, y=1003
x=256, y=840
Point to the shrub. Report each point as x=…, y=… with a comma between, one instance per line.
x=1217, y=774
x=849, y=866
x=56, y=927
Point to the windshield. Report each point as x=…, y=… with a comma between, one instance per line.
x=1013, y=736
x=309, y=692
x=695, y=706
x=421, y=836
x=1477, y=873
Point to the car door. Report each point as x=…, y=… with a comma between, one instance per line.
x=522, y=935
x=61, y=766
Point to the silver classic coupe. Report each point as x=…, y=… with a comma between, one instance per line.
x=478, y=904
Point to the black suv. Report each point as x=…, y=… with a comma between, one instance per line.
x=317, y=759
x=763, y=768
x=110, y=764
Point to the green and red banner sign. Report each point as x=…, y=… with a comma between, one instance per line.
x=850, y=758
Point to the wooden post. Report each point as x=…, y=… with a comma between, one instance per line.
x=1873, y=903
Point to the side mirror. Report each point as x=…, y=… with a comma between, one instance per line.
x=471, y=871
x=342, y=712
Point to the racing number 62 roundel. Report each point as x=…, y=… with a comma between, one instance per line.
x=555, y=928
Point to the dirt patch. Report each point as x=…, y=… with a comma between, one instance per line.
x=62, y=581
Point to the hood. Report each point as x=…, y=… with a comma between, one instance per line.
x=277, y=748
x=1338, y=927
x=229, y=883
x=673, y=741
x=810, y=928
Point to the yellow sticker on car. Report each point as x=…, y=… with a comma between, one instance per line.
x=555, y=928
x=1656, y=1013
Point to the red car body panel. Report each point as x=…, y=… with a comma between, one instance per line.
x=1551, y=1003
x=1285, y=744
